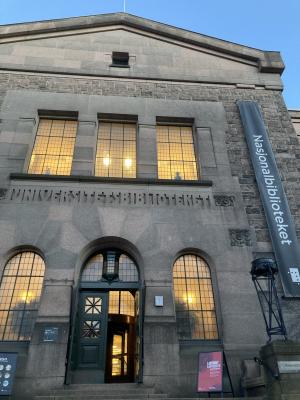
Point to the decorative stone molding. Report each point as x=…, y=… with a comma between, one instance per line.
x=240, y=237
x=223, y=200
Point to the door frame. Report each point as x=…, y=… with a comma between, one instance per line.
x=74, y=308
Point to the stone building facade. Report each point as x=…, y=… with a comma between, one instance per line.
x=90, y=231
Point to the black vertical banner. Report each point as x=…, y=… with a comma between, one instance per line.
x=280, y=221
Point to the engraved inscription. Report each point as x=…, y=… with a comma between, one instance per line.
x=3, y=193
x=108, y=197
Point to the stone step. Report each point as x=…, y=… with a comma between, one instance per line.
x=294, y=396
x=133, y=392
x=133, y=397
x=96, y=395
x=108, y=386
x=121, y=397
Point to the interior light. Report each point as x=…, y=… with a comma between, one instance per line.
x=27, y=297
x=106, y=161
x=189, y=298
x=128, y=162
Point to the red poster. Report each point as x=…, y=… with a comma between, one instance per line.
x=210, y=372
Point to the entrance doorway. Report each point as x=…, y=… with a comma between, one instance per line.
x=106, y=340
x=120, y=349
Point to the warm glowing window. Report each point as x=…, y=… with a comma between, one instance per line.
x=53, y=148
x=121, y=302
x=116, y=150
x=20, y=293
x=194, y=299
x=175, y=153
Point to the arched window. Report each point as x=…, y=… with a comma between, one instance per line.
x=194, y=299
x=111, y=265
x=20, y=293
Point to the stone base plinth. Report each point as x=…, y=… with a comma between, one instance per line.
x=281, y=362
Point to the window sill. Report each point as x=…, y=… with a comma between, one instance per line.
x=201, y=342
x=98, y=179
x=119, y=66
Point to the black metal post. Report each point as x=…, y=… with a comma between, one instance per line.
x=263, y=276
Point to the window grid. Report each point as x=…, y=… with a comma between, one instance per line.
x=20, y=292
x=127, y=269
x=53, y=148
x=175, y=153
x=194, y=300
x=121, y=302
x=93, y=270
x=116, y=150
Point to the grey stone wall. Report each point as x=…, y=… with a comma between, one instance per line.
x=282, y=134
x=230, y=232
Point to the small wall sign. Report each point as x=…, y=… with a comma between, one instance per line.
x=50, y=334
x=288, y=367
x=159, y=301
x=8, y=364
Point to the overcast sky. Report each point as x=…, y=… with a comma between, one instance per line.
x=263, y=24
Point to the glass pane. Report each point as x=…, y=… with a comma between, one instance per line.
x=163, y=151
x=183, y=325
x=127, y=269
x=210, y=325
x=191, y=266
x=93, y=305
x=20, y=293
x=186, y=134
x=162, y=133
x=164, y=169
x=174, y=134
x=117, y=345
x=90, y=329
x=190, y=171
x=194, y=299
x=36, y=164
x=175, y=153
x=114, y=302
x=54, y=147
x=177, y=171
x=127, y=306
x=50, y=165
x=116, y=150
x=104, y=130
x=121, y=302
x=93, y=269
x=197, y=325
x=117, y=131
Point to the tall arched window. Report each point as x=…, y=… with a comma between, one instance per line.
x=194, y=299
x=20, y=293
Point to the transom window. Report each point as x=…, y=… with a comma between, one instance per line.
x=53, y=148
x=110, y=265
x=20, y=293
x=194, y=299
x=175, y=153
x=116, y=150
x=121, y=302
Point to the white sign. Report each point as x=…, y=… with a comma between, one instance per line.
x=289, y=367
